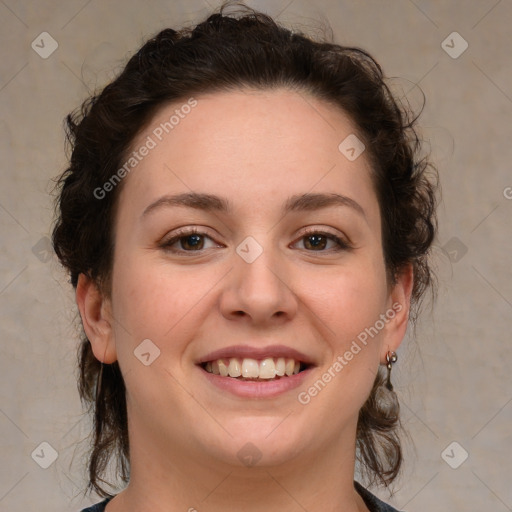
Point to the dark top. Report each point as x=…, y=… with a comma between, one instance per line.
x=372, y=502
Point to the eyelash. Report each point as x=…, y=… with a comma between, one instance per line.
x=167, y=244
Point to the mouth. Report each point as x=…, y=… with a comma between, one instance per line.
x=257, y=370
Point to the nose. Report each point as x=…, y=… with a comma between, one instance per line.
x=259, y=293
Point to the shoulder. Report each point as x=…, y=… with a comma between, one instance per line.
x=372, y=502
x=99, y=507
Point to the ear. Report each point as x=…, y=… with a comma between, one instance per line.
x=399, y=304
x=96, y=313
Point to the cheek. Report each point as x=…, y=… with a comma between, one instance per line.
x=152, y=302
x=347, y=314
x=347, y=300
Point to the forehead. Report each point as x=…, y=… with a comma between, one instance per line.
x=252, y=145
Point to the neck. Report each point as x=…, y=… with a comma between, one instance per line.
x=165, y=482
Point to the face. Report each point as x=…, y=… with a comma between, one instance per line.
x=267, y=266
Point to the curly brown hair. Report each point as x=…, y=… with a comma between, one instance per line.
x=229, y=52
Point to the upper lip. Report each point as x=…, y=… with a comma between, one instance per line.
x=247, y=351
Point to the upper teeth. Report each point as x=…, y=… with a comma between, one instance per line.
x=251, y=368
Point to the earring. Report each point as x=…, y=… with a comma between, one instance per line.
x=391, y=358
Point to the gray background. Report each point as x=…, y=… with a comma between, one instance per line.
x=453, y=378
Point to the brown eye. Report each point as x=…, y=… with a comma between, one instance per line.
x=315, y=242
x=193, y=242
x=318, y=241
x=187, y=241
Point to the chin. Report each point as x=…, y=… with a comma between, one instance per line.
x=265, y=442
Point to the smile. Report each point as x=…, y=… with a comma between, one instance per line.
x=270, y=368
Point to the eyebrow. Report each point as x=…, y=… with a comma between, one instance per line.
x=209, y=202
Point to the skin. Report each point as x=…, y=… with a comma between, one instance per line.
x=255, y=149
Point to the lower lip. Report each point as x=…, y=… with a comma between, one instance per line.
x=254, y=389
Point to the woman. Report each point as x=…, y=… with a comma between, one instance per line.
x=246, y=222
